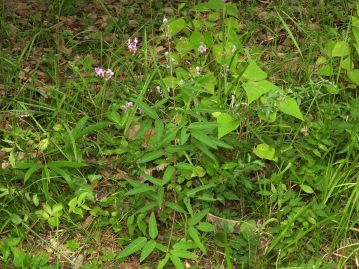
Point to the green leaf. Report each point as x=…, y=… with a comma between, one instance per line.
x=215, y=4
x=255, y=89
x=43, y=144
x=354, y=76
x=347, y=64
x=184, y=245
x=168, y=174
x=193, y=233
x=177, y=262
x=306, y=188
x=205, y=227
x=15, y=218
x=175, y=207
x=325, y=71
x=198, y=217
x=226, y=124
x=152, y=229
x=205, y=139
x=340, y=49
x=133, y=247
x=150, y=156
x=147, y=249
x=196, y=39
x=290, y=107
x=192, y=192
x=153, y=180
x=176, y=26
x=139, y=189
x=181, y=253
x=31, y=171
x=19, y=257
x=147, y=109
x=207, y=125
x=254, y=73
x=265, y=151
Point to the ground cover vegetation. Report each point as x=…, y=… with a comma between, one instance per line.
x=179, y=134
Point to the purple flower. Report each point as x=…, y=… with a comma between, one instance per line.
x=198, y=70
x=132, y=45
x=127, y=106
x=202, y=48
x=107, y=74
x=99, y=72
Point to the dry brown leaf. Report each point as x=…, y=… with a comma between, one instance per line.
x=157, y=168
x=216, y=221
x=131, y=134
x=130, y=265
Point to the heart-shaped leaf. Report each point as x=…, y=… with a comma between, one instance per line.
x=265, y=151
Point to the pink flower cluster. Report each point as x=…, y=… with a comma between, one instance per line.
x=104, y=73
x=127, y=105
x=202, y=48
x=132, y=45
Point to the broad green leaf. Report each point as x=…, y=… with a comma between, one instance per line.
x=147, y=249
x=175, y=207
x=31, y=171
x=185, y=245
x=139, y=189
x=43, y=144
x=326, y=71
x=153, y=180
x=15, y=218
x=306, y=188
x=147, y=109
x=347, y=64
x=206, y=227
x=198, y=217
x=133, y=247
x=193, y=233
x=255, y=89
x=150, y=156
x=168, y=174
x=152, y=228
x=254, y=73
x=176, y=26
x=198, y=171
x=196, y=39
x=207, y=125
x=65, y=175
x=19, y=257
x=176, y=262
x=141, y=224
x=183, y=45
x=205, y=139
x=192, y=192
x=226, y=124
x=290, y=107
x=265, y=151
x=354, y=76
x=216, y=4
x=181, y=253
x=340, y=49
